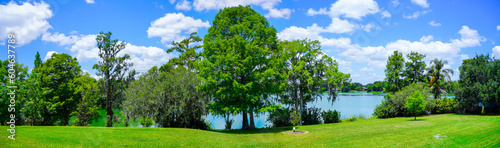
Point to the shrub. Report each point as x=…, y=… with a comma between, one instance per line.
x=445, y=105
x=353, y=118
x=280, y=117
x=331, y=116
x=393, y=104
x=146, y=121
x=229, y=122
x=311, y=116
x=416, y=103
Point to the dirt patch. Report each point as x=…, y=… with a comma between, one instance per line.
x=296, y=132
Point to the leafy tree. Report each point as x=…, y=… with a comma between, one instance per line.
x=479, y=83
x=414, y=69
x=87, y=109
x=20, y=74
x=393, y=72
x=170, y=99
x=188, y=55
x=238, y=67
x=416, y=103
x=58, y=74
x=437, y=73
x=307, y=69
x=113, y=69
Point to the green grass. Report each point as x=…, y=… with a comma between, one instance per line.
x=461, y=131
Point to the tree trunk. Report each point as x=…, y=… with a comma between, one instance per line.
x=109, y=111
x=245, y=121
x=66, y=118
x=252, y=124
x=415, y=117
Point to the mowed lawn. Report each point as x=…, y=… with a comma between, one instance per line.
x=460, y=131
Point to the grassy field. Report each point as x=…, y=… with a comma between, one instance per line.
x=460, y=131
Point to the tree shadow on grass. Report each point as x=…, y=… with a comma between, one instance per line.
x=418, y=119
x=257, y=131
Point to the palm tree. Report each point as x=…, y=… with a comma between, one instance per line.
x=436, y=73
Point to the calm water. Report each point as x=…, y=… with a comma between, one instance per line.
x=349, y=104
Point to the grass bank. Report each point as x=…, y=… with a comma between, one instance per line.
x=460, y=131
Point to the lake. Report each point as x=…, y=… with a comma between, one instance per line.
x=349, y=104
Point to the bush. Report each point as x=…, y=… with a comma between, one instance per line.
x=393, y=104
x=280, y=117
x=352, y=119
x=146, y=121
x=229, y=122
x=445, y=105
x=331, y=116
x=311, y=116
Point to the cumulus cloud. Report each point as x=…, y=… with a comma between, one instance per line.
x=422, y=3
x=184, y=5
x=49, y=55
x=366, y=69
x=175, y=27
x=89, y=1
x=376, y=56
x=27, y=21
x=385, y=14
x=496, y=52
x=498, y=27
x=432, y=23
x=200, y=5
x=416, y=14
x=83, y=47
x=313, y=33
x=355, y=9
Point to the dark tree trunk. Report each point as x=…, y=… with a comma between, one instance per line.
x=252, y=124
x=109, y=111
x=245, y=121
x=66, y=118
x=415, y=117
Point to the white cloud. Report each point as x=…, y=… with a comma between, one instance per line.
x=463, y=57
x=416, y=14
x=184, y=5
x=84, y=48
x=470, y=38
x=426, y=39
x=377, y=56
x=49, y=55
x=171, y=1
x=281, y=13
x=173, y=27
x=370, y=27
x=91, y=75
x=366, y=69
x=89, y=1
x=498, y=27
x=422, y=3
x=432, y=23
x=385, y=14
x=340, y=26
x=496, y=52
x=355, y=9
x=200, y=5
x=395, y=2
x=313, y=33
x=27, y=21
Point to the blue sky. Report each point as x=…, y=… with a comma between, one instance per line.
x=359, y=34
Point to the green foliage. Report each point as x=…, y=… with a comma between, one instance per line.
x=393, y=104
x=87, y=109
x=181, y=105
x=445, y=105
x=331, y=116
x=147, y=122
x=280, y=117
x=311, y=116
x=113, y=69
x=188, y=55
x=394, y=71
x=351, y=119
x=416, y=103
x=376, y=86
x=239, y=65
x=436, y=75
x=295, y=119
x=414, y=69
x=308, y=69
x=58, y=74
x=479, y=83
